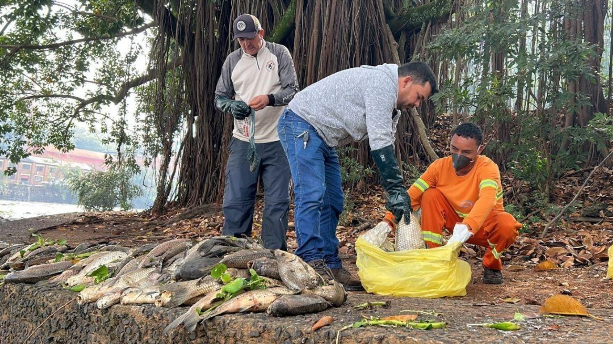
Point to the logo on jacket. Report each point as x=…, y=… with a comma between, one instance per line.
x=270, y=66
x=466, y=204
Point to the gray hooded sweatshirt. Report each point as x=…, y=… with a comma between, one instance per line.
x=357, y=102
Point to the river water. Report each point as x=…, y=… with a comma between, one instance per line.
x=13, y=210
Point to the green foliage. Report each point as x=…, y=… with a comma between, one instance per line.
x=537, y=147
x=103, y=191
x=100, y=274
x=41, y=242
x=61, y=66
x=351, y=170
x=233, y=287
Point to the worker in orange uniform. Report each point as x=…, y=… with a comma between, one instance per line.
x=463, y=194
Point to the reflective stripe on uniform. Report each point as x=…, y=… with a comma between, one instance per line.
x=433, y=237
x=499, y=195
x=488, y=183
x=421, y=185
x=495, y=253
x=461, y=214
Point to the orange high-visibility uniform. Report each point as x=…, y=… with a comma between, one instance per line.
x=474, y=199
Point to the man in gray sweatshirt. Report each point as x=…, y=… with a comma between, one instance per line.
x=356, y=103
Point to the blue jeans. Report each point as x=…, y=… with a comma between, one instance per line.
x=317, y=187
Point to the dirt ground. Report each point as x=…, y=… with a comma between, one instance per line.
x=524, y=289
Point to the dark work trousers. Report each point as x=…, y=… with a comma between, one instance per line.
x=241, y=187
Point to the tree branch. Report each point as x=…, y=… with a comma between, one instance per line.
x=116, y=98
x=435, y=11
x=15, y=48
x=125, y=88
x=167, y=22
x=285, y=25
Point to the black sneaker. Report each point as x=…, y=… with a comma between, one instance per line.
x=491, y=276
x=348, y=281
x=322, y=269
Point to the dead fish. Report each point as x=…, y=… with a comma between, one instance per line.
x=164, y=251
x=130, y=266
x=243, y=243
x=109, y=299
x=191, y=317
x=45, y=251
x=409, y=237
x=333, y=293
x=242, y=258
x=238, y=273
x=37, y=273
x=144, y=249
x=251, y=301
x=296, y=305
x=295, y=273
x=61, y=278
x=103, y=258
x=194, y=266
x=135, y=278
x=266, y=267
x=138, y=296
x=175, y=294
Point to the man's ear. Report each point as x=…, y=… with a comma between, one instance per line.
x=261, y=33
x=404, y=81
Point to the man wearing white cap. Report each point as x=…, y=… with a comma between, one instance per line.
x=259, y=75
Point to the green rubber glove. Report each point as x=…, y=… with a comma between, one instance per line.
x=238, y=108
x=398, y=200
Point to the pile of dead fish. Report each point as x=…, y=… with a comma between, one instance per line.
x=175, y=273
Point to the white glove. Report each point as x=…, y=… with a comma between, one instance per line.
x=460, y=234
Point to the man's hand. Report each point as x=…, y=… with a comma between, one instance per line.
x=238, y=108
x=399, y=203
x=461, y=233
x=259, y=102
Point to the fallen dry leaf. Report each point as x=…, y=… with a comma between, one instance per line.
x=564, y=305
x=546, y=265
x=401, y=317
x=555, y=251
x=511, y=300
x=324, y=321
x=569, y=262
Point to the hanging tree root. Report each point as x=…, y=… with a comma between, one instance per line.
x=555, y=219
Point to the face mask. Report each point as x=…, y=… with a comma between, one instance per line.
x=459, y=161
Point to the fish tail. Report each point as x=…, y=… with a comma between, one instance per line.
x=175, y=323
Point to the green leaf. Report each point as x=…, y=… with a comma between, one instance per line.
x=100, y=274
x=234, y=286
x=77, y=288
x=519, y=317
x=504, y=326
x=218, y=270
x=61, y=242
x=58, y=257
x=22, y=253
x=225, y=278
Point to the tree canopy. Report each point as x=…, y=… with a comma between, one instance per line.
x=529, y=72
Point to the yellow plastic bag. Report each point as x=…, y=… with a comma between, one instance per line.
x=427, y=273
x=610, y=270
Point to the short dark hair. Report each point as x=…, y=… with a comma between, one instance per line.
x=420, y=72
x=470, y=131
